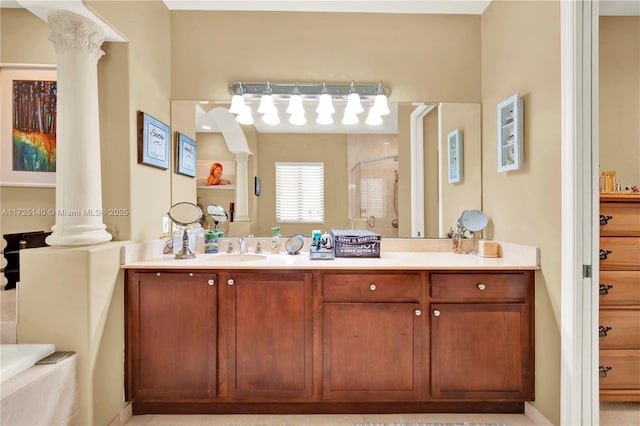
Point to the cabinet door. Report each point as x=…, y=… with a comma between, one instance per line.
x=171, y=336
x=371, y=351
x=481, y=351
x=268, y=334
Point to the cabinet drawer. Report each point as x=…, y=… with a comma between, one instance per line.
x=620, y=219
x=619, y=288
x=396, y=287
x=480, y=286
x=619, y=369
x=619, y=253
x=619, y=329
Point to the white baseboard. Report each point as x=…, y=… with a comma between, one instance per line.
x=123, y=417
x=535, y=416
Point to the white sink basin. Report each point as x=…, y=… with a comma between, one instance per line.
x=237, y=257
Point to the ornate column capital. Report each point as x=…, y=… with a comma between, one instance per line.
x=69, y=29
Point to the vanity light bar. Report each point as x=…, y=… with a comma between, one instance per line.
x=307, y=89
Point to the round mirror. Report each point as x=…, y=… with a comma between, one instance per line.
x=217, y=213
x=473, y=220
x=294, y=244
x=185, y=213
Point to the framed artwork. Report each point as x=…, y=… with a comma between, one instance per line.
x=455, y=153
x=28, y=122
x=186, y=155
x=215, y=174
x=153, y=141
x=510, y=139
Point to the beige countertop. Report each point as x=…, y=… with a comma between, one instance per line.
x=423, y=256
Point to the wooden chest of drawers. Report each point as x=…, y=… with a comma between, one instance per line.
x=619, y=327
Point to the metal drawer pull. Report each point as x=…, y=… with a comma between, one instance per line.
x=372, y=286
x=605, y=219
x=418, y=312
x=157, y=274
x=604, y=289
x=603, y=331
x=604, y=254
x=604, y=370
x=436, y=313
x=211, y=282
x=190, y=274
x=230, y=281
x=481, y=286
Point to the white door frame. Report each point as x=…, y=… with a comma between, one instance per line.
x=579, y=400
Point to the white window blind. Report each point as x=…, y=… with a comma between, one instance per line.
x=300, y=192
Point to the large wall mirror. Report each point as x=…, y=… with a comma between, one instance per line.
x=368, y=180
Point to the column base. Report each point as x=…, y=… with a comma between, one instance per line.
x=78, y=235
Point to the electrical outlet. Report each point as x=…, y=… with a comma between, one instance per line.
x=165, y=224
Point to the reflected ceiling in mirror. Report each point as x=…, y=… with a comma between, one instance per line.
x=206, y=124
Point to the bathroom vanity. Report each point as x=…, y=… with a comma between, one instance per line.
x=410, y=331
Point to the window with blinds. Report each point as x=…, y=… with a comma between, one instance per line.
x=299, y=192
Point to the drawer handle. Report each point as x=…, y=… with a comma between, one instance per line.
x=372, y=287
x=436, y=313
x=418, y=312
x=230, y=281
x=604, y=220
x=604, y=254
x=190, y=274
x=481, y=286
x=158, y=274
x=604, y=370
x=211, y=282
x=604, y=289
x=603, y=331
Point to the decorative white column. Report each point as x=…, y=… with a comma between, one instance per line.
x=242, y=187
x=77, y=41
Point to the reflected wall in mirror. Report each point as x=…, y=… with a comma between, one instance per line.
x=367, y=174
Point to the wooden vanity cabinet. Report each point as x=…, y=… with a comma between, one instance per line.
x=481, y=341
x=372, y=336
x=266, y=335
x=171, y=331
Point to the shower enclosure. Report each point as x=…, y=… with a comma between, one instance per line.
x=373, y=197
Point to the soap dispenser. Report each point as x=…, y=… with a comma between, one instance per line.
x=275, y=240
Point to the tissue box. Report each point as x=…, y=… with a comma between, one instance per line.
x=355, y=243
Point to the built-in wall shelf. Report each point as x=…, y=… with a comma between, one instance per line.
x=219, y=187
x=510, y=138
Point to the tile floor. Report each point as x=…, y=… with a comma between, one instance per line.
x=611, y=414
x=324, y=419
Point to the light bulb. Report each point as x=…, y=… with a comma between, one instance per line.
x=373, y=118
x=324, y=119
x=297, y=119
x=325, y=104
x=245, y=117
x=295, y=105
x=237, y=104
x=353, y=104
x=380, y=105
x=271, y=118
x=266, y=105
x=349, y=118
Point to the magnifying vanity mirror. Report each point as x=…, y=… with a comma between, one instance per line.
x=186, y=215
x=473, y=221
x=369, y=173
x=217, y=213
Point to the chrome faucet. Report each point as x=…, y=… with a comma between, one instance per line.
x=243, y=245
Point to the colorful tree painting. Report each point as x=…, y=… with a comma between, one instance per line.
x=34, y=125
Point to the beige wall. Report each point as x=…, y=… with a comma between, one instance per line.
x=521, y=53
x=183, y=119
x=620, y=97
x=212, y=49
x=466, y=194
